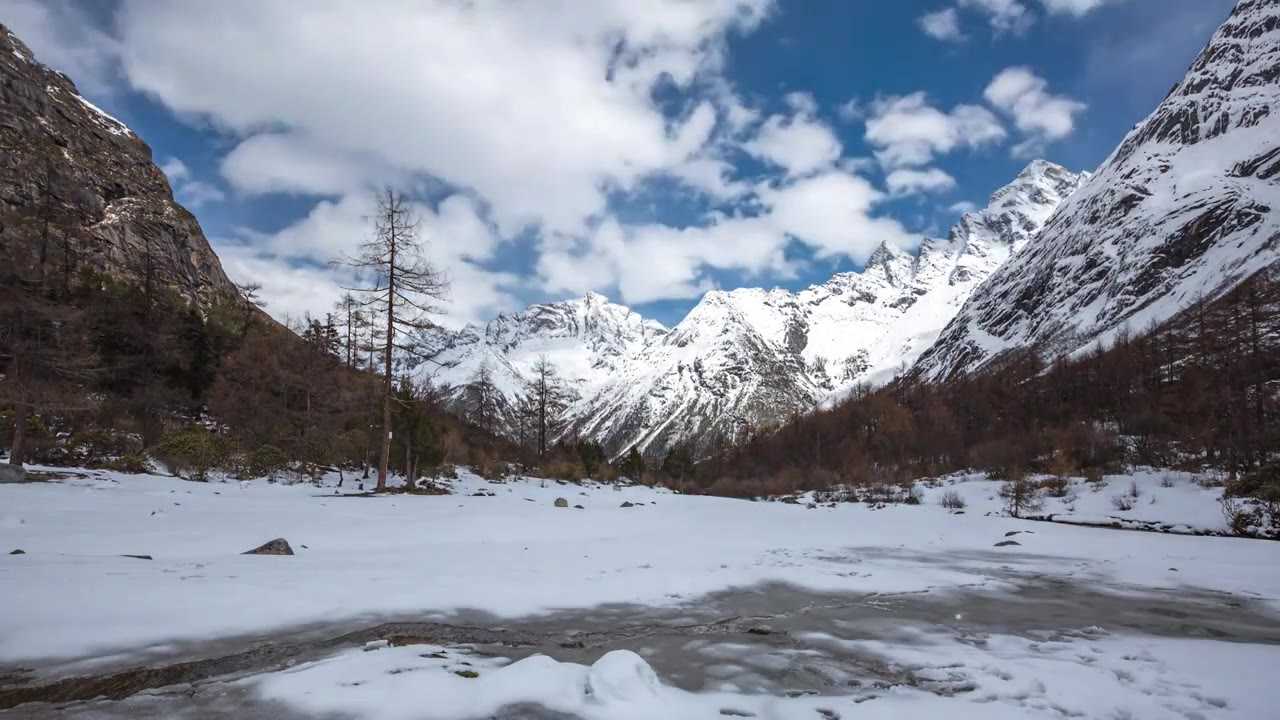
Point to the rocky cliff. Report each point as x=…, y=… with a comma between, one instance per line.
x=74, y=178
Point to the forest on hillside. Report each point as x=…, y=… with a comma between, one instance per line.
x=1202, y=391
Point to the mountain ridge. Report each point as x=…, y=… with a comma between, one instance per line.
x=752, y=357
x=1183, y=210
x=65, y=161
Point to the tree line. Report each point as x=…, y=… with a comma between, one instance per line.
x=106, y=368
x=1200, y=390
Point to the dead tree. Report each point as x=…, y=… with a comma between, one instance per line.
x=403, y=288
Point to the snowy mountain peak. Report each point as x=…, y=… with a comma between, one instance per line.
x=750, y=356
x=1184, y=209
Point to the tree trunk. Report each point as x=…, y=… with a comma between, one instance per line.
x=386, y=442
x=385, y=459
x=408, y=476
x=18, y=450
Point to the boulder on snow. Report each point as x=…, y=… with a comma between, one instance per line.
x=19, y=551
x=578, y=507
x=561, y=502
x=1011, y=533
x=627, y=504
x=279, y=546
x=138, y=557
x=1007, y=543
x=12, y=473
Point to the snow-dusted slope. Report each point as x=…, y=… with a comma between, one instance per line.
x=752, y=357
x=1187, y=207
x=587, y=340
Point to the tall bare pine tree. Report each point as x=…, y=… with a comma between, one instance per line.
x=402, y=296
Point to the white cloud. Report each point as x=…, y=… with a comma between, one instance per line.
x=289, y=290
x=852, y=111
x=540, y=107
x=942, y=25
x=1005, y=16
x=908, y=131
x=187, y=190
x=1041, y=116
x=830, y=212
x=458, y=241
x=963, y=207
x=1077, y=8
x=799, y=143
x=175, y=170
x=905, y=181
x=63, y=38
x=293, y=163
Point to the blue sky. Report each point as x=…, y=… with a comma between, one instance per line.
x=646, y=149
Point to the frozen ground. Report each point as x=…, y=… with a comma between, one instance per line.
x=677, y=607
x=1163, y=500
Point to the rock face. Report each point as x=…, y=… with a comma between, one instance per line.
x=65, y=162
x=279, y=546
x=751, y=357
x=1185, y=209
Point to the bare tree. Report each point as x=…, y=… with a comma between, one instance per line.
x=547, y=398
x=349, y=316
x=404, y=287
x=249, y=292
x=482, y=398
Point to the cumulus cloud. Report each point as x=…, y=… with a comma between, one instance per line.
x=908, y=131
x=458, y=241
x=962, y=207
x=187, y=190
x=531, y=116
x=63, y=38
x=1005, y=16
x=294, y=163
x=831, y=212
x=906, y=181
x=1041, y=116
x=482, y=95
x=799, y=143
x=942, y=25
x=1077, y=8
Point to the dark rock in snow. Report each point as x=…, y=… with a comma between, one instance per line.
x=578, y=507
x=19, y=551
x=279, y=546
x=627, y=504
x=138, y=557
x=12, y=473
x=561, y=502
x=1011, y=533
x=1007, y=543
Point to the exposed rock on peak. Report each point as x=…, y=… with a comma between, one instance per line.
x=751, y=357
x=63, y=158
x=1185, y=209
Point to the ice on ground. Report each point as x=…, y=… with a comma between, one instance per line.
x=511, y=554
x=421, y=682
x=1173, y=500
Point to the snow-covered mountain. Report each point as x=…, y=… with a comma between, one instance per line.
x=752, y=357
x=1186, y=208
